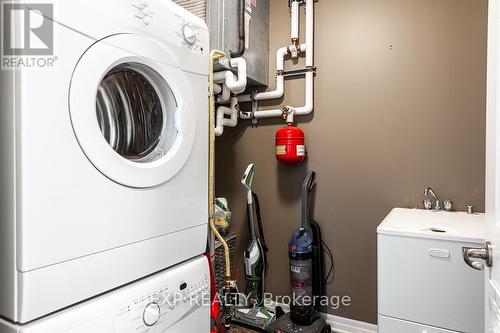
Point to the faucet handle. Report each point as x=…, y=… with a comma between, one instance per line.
x=428, y=204
x=470, y=209
x=438, y=205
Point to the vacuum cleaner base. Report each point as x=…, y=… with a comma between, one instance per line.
x=285, y=325
x=257, y=318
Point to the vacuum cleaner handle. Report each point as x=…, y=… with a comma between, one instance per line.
x=307, y=188
x=259, y=222
x=250, y=218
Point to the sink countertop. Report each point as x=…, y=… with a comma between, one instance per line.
x=453, y=226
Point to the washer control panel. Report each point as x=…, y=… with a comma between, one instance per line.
x=173, y=25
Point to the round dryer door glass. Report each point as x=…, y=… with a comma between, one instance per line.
x=135, y=110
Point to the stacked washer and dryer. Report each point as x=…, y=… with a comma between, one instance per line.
x=103, y=175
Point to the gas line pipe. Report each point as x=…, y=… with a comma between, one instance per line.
x=214, y=55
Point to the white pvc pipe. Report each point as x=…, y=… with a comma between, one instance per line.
x=309, y=32
x=294, y=111
x=224, y=97
x=277, y=93
x=237, y=86
x=222, y=121
x=268, y=114
x=217, y=89
x=280, y=58
x=295, y=20
x=309, y=49
x=220, y=77
x=280, y=81
x=308, y=107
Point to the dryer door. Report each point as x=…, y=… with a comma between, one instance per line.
x=131, y=112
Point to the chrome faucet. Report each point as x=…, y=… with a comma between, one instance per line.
x=427, y=204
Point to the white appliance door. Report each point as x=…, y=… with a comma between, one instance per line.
x=492, y=284
x=130, y=106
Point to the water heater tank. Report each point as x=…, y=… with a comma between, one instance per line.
x=223, y=19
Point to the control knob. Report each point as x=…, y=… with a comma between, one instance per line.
x=151, y=314
x=189, y=34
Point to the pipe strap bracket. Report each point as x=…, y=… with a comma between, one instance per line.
x=299, y=72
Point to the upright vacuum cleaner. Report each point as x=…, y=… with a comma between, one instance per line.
x=255, y=253
x=307, y=278
x=254, y=315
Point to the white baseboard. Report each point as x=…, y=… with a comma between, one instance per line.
x=342, y=325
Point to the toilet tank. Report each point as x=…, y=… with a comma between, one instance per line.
x=423, y=281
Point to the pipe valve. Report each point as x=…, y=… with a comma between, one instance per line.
x=285, y=110
x=294, y=49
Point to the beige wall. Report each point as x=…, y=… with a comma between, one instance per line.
x=399, y=104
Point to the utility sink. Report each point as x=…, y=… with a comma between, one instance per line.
x=457, y=226
x=424, y=285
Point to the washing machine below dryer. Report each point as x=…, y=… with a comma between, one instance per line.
x=176, y=300
x=103, y=172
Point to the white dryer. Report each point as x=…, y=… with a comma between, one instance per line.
x=103, y=175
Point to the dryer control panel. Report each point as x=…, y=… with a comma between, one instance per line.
x=176, y=300
x=164, y=304
x=190, y=35
x=179, y=26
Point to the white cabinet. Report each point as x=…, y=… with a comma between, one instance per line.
x=391, y=325
x=423, y=282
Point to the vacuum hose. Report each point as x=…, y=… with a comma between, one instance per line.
x=214, y=55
